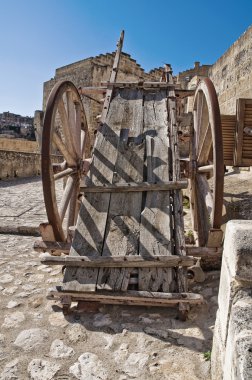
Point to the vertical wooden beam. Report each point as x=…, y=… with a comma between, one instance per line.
x=112, y=79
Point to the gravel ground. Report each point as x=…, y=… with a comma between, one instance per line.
x=111, y=342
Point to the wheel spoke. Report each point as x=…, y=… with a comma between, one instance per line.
x=57, y=167
x=206, y=193
x=193, y=206
x=198, y=117
x=66, y=197
x=64, y=151
x=65, y=126
x=73, y=121
x=73, y=208
x=77, y=130
x=205, y=146
x=63, y=174
x=205, y=169
x=202, y=213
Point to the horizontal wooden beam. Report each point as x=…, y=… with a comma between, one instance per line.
x=132, y=187
x=203, y=251
x=121, y=261
x=184, y=93
x=141, y=298
x=55, y=247
x=139, y=84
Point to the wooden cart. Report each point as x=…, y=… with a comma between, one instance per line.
x=118, y=226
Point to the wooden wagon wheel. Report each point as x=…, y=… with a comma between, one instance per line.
x=65, y=141
x=207, y=166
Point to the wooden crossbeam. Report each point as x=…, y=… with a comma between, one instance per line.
x=121, y=261
x=138, y=84
x=132, y=186
x=141, y=298
x=55, y=247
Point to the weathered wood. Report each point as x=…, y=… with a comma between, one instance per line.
x=205, y=168
x=91, y=223
x=52, y=246
x=205, y=146
x=139, y=84
x=177, y=196
x=155, y=230
x=121, y=261
x=64, y=247
x=68, y=190
x=63, y=173
x=113, y=76
x=206, y=194
x=71, y=161
x=204, y=211
x=122, y=231
x=215, y=238
x=65, y=126
x=203, y=251
x=141, y=298
x=135, y=187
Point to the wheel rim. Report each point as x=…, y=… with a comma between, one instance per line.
x=65, y=139
x=207, y=168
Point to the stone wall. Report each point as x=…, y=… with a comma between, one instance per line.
x=19, y=145
x=19, y=164
x=232, y=345
x=232, y=73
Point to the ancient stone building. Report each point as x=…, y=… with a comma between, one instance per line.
x=91, y=72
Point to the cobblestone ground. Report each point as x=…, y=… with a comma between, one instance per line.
x=38, y=342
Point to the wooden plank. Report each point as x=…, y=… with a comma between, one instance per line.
x=132, y=187
x=121, y=261
x=52, y=246
x=64, y=247
x=141, y=298
x=138, y=84
x=203, y=251
x=122, y=231
x=91, y=223
x=215, y=238
x=155, y=230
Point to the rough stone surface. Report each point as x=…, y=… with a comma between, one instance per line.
x=232, y=345
x=89, y=367
x=60, y=350
x=232, y=73
x=154, y=331
x=39, y=369
x=13, y=320
x=29, y=339
x=10, y=371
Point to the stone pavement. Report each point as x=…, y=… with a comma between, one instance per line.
x=113, y=342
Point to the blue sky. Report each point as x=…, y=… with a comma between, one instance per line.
x=38, y=36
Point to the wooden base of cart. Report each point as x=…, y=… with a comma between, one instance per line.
x=182, y=301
